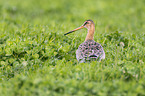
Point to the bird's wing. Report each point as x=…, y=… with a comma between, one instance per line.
x=89, y=49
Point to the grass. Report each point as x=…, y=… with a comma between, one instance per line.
x=37, y=59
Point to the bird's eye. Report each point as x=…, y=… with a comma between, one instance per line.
x=85, y=23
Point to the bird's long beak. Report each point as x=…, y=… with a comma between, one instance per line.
x=74, y=30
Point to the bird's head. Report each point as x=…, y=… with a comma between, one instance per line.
x=87, y=24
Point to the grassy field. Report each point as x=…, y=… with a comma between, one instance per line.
x=36, y=59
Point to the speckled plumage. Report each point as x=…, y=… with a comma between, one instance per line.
x=90, y=50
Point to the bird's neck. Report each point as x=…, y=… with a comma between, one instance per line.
x=90, y=35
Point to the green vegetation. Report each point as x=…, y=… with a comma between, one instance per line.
x=37, y=59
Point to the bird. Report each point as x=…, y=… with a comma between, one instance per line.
x=89, y=50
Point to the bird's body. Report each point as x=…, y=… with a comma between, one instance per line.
x=89, y=50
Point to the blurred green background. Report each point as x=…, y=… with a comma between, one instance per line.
x=37, y=59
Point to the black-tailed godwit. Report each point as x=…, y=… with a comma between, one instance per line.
x=89, y=50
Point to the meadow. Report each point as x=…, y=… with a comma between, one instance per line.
x=36, y=59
